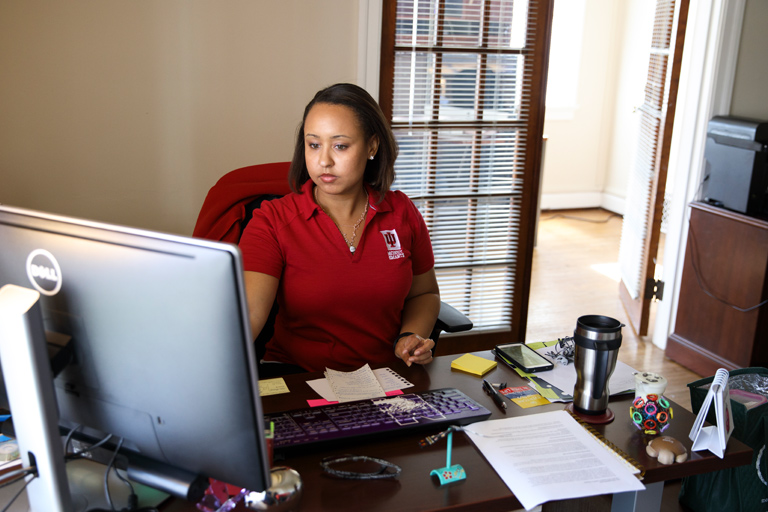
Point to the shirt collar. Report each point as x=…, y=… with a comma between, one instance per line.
x=308, y=206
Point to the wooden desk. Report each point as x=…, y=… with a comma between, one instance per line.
x=482, y=490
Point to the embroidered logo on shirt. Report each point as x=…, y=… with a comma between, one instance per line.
x=393, y=244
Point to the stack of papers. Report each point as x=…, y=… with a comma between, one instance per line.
x=473, y=364
x=388, y=379
x=357, y=385
x=549, y=456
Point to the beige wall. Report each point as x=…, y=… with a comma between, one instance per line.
x=750, y=86
x=127, y=112
x=633, y=42
x=589, y=154
x=575, y=162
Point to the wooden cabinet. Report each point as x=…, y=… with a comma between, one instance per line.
x=726, y=263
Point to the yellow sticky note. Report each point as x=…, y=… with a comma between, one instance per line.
x=531, y=401
x=473, y=364
x=272, y=387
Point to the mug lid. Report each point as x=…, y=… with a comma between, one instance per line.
x=598, y=332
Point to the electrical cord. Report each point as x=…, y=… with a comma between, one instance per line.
x=700, y=280
x=79, y=455
x=26, y=471
x=131, y=500
x=695, y=263
x=68, y=439
x=582, y=219
x=17, y=475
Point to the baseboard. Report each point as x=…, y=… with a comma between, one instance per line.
x=694, y=357
x=577, y=200
x=613, y=203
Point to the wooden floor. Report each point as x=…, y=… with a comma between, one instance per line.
x=574, y=274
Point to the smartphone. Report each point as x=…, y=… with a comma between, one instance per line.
x=520, y=355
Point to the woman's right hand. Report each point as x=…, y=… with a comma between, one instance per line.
x=414, y=349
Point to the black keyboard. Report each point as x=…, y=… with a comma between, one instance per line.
x=436, y=408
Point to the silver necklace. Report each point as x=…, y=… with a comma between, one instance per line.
x=350, y=243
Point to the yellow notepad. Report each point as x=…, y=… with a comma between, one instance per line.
x=473, y=364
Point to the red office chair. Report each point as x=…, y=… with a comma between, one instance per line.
x=228, y=208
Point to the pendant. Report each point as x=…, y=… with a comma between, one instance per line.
x=352, y=249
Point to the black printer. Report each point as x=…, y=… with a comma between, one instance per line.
x=736, y=157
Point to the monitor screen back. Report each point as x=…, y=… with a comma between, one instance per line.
x=160, y=333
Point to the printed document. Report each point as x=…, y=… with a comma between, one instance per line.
x=549, y=456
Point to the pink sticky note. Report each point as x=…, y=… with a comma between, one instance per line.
x=318, y=402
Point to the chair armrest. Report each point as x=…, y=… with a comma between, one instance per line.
x=451, y=319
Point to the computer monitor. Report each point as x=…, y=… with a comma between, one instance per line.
x=163, y=355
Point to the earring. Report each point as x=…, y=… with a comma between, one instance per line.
x=370, y=157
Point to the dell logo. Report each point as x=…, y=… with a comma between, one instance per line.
x=44, y=272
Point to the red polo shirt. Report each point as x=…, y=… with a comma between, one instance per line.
x=337, y=309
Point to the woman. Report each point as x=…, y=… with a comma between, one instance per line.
x=349, y=261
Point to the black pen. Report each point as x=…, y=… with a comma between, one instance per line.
x=495, y=395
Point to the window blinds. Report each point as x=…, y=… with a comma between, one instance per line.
x=633, y=250
x=462, y=82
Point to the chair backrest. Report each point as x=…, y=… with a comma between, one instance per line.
x=225, y=210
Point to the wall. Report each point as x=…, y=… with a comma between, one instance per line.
x=127, y=112
x=587, y=148
x=751, y=81
x=634, y=41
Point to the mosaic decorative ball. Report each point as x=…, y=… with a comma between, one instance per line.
x=651, y=413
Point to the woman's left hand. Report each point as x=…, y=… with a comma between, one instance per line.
x=415, y=349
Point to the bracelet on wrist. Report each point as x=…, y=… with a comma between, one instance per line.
x=401, y=336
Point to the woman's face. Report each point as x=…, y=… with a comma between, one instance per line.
x=336, y=149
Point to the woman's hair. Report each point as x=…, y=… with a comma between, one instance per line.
x=379, y=172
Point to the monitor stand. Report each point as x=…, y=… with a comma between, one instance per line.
x=283, y=495
x=32, y=399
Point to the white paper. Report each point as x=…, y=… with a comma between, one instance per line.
x=549, y=456
x=355, y=385
x=387, y=377
x=563, y=377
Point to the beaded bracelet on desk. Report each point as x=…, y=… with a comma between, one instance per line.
x=383, y=472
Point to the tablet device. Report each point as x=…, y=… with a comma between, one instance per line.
x=520, y=355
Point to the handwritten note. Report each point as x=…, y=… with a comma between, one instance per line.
x=357, y=385
x=272, y=387
x=391, y=381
